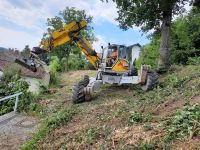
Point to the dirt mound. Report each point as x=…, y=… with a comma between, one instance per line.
x=7, y=59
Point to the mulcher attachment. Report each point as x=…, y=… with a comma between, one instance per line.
x=26, y=65
x=78, y=94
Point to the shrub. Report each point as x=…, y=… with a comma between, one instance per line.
x=193, y=61
x=11, y=84
x=185, y=122
x=149, y=54
x=53, y=68
x=137, y=117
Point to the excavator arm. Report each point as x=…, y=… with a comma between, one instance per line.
x=68, y=33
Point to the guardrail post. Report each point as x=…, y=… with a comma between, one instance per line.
x=16, y=103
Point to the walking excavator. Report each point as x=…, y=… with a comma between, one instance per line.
x=116, y=66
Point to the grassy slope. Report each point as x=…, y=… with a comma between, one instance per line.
x=123, y=117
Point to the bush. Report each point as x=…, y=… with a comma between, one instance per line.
x=11, y=84
x=149, y=54
x=12, y=73
x=54, y=68
x=193, y=61
x=185, y=122
x=76, y=63
x=185, y=39
x=137, y=117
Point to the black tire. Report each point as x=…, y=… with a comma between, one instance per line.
x=151, y=81
x=78, y=95
x=85, y=81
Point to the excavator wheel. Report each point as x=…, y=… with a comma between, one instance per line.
x=151, y=81
x=78, y=95
x=85, y=81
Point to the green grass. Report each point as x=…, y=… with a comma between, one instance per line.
x=137, y=117
x=54, y=120
x=184, y=123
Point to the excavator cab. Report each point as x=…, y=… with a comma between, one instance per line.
x=120, y=58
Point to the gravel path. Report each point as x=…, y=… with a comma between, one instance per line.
x=15, y=130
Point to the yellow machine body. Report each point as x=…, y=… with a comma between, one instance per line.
x=120, y=66
x=68, y=33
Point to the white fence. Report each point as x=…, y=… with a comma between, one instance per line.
x=11, y=96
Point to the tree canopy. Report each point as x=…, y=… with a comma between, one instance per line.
x=148, y=14
x=67, y=16
x=184, y=42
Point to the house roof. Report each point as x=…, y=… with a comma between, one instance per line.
x=7, y=59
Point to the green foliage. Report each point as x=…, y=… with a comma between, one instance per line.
x=146, y=146
x=147, y=14
x=63, y=52
x=54, y=66
x=26, y=52
x=11, y=84
x=184, y=47
x=149, y=54
x=185, y=122
x=75, y=62
x=92, y=135
x=54, y=120
x=12, y=73
x=193, y=61
x=137, y=117
x=185, y=37
x=175, y=81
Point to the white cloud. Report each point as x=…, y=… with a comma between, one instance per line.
x=17, y=39
x=99, y=10
x=26, y=16
x=101, y=41
x=32, y=14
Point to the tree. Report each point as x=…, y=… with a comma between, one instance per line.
x=185, y=37
x=184, y=42
x=151, y=14
x=26, y=52
x=66, y=16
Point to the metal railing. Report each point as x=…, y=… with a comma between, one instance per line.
x=11, y=96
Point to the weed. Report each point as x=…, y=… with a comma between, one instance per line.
x=184, y=123
x=193, y=61
x=104, y=117
x=137, y=117
x=148, y=127
x=91, y=135
x=145, y=146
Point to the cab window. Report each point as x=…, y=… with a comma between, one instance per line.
x=122, y=52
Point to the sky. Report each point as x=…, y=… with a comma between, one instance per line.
x=23, y=22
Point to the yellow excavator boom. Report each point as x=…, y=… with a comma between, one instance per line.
x=68, y=33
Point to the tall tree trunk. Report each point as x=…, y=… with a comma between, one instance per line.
x=164, y=43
